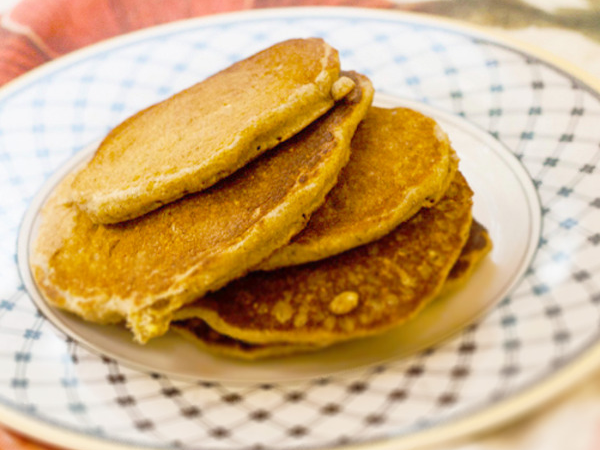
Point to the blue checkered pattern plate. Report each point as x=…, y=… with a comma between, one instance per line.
x=525, y=327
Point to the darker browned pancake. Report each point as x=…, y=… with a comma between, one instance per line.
x=477, y=246
x=357, y=293
x=198, y=331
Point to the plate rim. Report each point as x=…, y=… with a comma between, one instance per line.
x=507, y=410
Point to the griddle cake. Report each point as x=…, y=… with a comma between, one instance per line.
x=357, y=293
x=206, y=132
x=144, y=269
x=476, y=248
x=196, y=330
x=400, y=161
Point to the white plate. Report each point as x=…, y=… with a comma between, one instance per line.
x=514, y=245
x=516, y=120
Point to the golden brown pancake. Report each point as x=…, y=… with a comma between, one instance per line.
x=144, y=269
x=400, y=161
x=196, y=330
x=357, y=293
x=202, y=134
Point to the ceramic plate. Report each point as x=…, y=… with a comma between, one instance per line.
x=524, y=327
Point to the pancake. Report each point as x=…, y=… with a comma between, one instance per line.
x=204, y=133
x=478, y=245
x=360, y=292
x=144, y=269
x=400, y=161
x=197, y=331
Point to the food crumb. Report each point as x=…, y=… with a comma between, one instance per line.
x=344, y=303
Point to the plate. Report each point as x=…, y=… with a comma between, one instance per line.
x=526, y=131
x=514, y=242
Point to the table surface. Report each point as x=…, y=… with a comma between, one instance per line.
x=569, y=29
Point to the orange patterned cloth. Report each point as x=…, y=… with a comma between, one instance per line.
x=10, y=441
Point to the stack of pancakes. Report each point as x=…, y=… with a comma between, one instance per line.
x=267, y=210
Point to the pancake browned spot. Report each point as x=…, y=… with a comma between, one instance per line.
x=198, y=331
x=357, y=293
x=202, y=134
x=144, y=269
x=401, y=161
